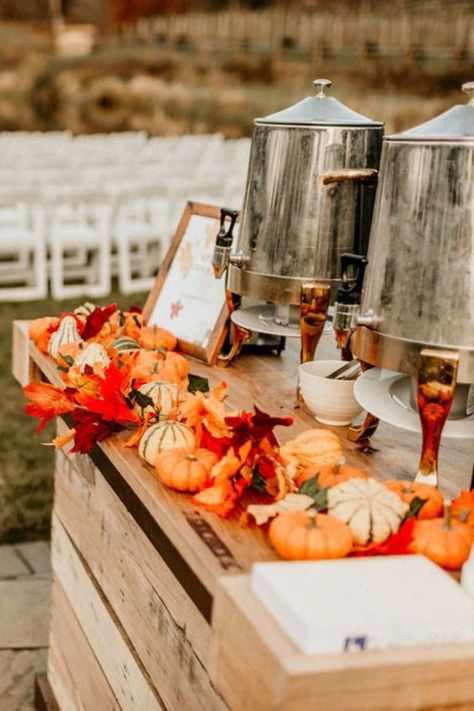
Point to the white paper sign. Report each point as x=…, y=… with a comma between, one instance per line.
x=191, y=300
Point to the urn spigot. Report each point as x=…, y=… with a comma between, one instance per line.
x=223, y=246
x=347, y=306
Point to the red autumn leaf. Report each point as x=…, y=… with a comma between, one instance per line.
x=254, y=426
x=47, y=401
x=111, y=402
x=96, y=320
x=90, y=428
x=267, y=466
x=264, y=424
x=116, y=380
x=396, y=544
x=134, y=309
x=218, y=445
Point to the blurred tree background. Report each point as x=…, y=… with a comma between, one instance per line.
x=180, y=66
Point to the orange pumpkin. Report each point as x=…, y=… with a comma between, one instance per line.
x=40, y=331
x=463, y=507
x=185, y=468
x=174, y=368
x=331, y=474
x=154, y=338
x=446, y=542
x=305, y=535
x=407, y=491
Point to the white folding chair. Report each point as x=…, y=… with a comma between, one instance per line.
x=88, y=227
x=23, y=270
x=137, y=241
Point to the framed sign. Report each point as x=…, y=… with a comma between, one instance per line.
x=187, y=299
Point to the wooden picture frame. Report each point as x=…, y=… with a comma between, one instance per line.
x=211, y=342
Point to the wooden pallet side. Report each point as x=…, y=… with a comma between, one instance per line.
x=74, y=673
x=44, y=697
x=405, y=679
x=107, y=639
x=24, y=368
x=167, y=631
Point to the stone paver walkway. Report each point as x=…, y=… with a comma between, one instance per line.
x=24, y=614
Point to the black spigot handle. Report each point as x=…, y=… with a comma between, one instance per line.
x=228, y=219
x=350, y=289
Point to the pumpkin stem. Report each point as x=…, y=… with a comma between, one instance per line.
x=447, y=513
x=191, y=458
x=312, y=516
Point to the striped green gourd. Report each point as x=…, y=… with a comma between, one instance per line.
x=164, y=435
x=163, y=394
x=67, y=333
x=125, y=344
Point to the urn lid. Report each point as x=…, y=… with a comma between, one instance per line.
x=455, y=124
x=319, y=110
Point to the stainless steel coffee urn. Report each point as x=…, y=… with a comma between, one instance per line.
x=309, y=198
x=417, y=312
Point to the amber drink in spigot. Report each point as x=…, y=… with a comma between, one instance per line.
x=313, y=313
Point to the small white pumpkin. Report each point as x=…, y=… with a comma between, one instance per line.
x=164, y=396
x=93, y=355
x=369, y=508
x=67, y=333
x=164, y=435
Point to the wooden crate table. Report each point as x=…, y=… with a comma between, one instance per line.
x=151, y=604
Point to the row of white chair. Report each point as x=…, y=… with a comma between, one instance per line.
x=74, y=212
x=79, y=242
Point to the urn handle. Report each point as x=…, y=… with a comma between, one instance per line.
x=468, y=88
x=321, y=85
x=362, y=175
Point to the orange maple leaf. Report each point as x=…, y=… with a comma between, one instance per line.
x=46, y=401
x=199, y=410
x=227, y=484
x=40, y=331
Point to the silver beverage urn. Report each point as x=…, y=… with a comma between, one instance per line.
x=309, y=198
x=417, y=310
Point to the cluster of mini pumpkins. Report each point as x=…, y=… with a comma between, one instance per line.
x=359, y=511
x=363, y=512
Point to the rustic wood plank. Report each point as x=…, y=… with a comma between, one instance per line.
x=247, y=638
x=44, y=697
x=106, y=637
x=169, y=634
x=74, y=673
x=24, y=368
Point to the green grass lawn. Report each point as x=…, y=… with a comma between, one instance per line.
x=26, y=467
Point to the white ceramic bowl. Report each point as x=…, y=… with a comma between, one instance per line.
x=331, y=402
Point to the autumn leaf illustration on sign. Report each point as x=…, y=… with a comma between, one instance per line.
x=185, y=258
x=176, y=307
